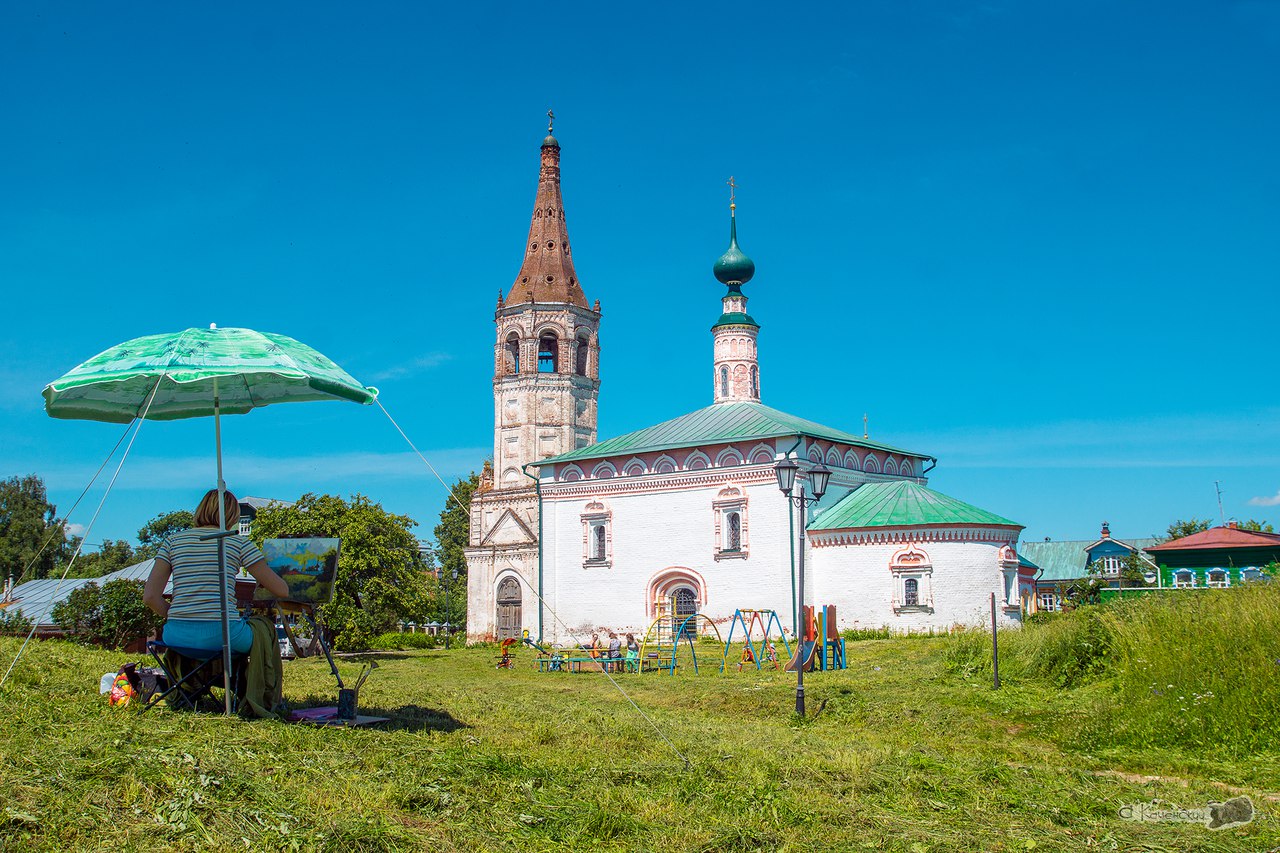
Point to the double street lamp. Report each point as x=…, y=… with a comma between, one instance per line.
x=818, y=476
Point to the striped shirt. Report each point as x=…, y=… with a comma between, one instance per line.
x=195, y=571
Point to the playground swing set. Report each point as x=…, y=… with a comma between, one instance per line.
x=670, y=646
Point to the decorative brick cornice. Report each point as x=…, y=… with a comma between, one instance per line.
x=746, y=475
x=931, y=533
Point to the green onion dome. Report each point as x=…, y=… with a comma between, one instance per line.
x=734, y=267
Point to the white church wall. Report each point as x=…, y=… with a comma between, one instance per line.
x=961, y=577
x=655, y=532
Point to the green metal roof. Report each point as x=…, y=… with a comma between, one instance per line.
x=1067, y=560
x=735, y=318
x=719, y=424
x=901, y=503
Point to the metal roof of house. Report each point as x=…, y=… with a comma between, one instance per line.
x=718, y=424
x=259, y=503
x=902, y=503
x=1068, y=560
x=1221, y=537
x=36, y=599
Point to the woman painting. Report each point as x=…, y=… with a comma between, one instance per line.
x=194, y=616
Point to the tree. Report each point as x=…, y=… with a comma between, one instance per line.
x=380, y=579
x=1132, y=574
x=151, y=534
x=1187, y=527
x=1256, y=526
x=112, y=615
x=453, y=534
x=115, y=554
x=32, y=539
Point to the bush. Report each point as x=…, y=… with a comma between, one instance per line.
x=14, y=623
x=395, y=641
x=112, y=615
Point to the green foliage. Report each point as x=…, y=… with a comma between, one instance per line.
x=151, y=534
x=32, y=540
x=380, y=579
x=115, y=554
x=1185, y=669
x=1198, y=670
x=1065, y=650
x=112, y=615
x=453, y=534
x=1132, y=574
x=14, y=623
x=1256, y=526
x=1187, y=527
x=395, y=641
x=854, y=635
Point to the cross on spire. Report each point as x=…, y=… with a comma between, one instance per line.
x=551, y=120
x=864, y=424
x=732, y=187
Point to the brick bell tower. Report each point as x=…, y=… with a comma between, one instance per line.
x=546, y=383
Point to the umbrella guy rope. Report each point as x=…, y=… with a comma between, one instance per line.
x=554, y=615
x=71, y=511
x=136, y=425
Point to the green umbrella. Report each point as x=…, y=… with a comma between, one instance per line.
x=197, y=373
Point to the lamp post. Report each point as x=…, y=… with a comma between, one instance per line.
x=819, y=475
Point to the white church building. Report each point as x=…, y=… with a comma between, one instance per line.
x=573, y=534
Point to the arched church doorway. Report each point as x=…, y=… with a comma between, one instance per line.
x=509, y=600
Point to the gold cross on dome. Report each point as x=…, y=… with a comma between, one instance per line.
x=551, y=120
x=864, y=425
x=732, y=187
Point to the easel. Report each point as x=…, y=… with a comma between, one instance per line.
x=286, y=608
x=347, y=698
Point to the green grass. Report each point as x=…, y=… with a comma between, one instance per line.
x=1196, y=671
x=903, y=751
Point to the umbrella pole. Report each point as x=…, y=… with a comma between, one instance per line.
x=222, y=556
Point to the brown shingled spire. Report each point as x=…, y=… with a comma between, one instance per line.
x=547, y=272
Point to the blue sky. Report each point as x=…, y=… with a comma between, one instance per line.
x=1035, y=240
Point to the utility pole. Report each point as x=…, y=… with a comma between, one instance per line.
x=1221, y=514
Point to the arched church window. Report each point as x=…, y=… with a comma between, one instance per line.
x=597, y=551
x=684, y=603
x=735, y=532
x=911, y=592
x=548, y=353
x=755, y=383
x=584, y=349
x=511, y=354
x=724, y=382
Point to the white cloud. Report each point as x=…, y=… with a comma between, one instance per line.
x=74, y=529
x=274, y=475
x=1243, y=440
x=411, y=368
x=1274, y=500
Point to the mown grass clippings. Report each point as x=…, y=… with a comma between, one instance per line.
x=900, y=752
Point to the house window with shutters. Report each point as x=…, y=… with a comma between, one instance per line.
x=597, y=535
x=729, y=516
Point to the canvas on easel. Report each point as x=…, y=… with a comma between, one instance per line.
x=308, y=565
